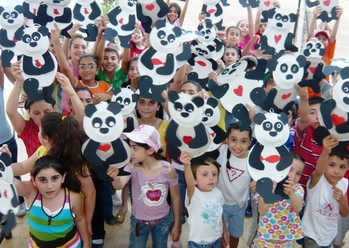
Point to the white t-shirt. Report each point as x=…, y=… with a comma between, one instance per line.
x=235, y=182
x=205, y=215
x=320, y=220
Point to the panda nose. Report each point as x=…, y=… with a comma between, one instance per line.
x=204, y=119
x=10, y=21
x=163, y=42
x=289, y=76
x=313, y=50
x=184, y=114
x=33, y=44
x=273, y=133
x=104, y=130
x=279, y=25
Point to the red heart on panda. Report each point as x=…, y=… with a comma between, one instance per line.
x=312, y=69
x=187, y=139
x=337, y=120
x=150, y=7
x=213, y=134
x=238, y=91
x=211, y=11
x=277, y=38
x=56, y=12
x=201, y=63
x=104, y=148
x=285, y=96
x=267, y=3
x=327, y=2
x=121, y=21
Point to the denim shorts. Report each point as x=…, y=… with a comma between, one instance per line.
x=215, y=244
x=234, y=218
x=159, y=230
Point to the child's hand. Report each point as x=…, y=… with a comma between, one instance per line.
x=66, y=86
x=339, y=11
x=16, y=71
x=253, y=186
x=4, y=149
x=74, y=28
x=338, y=194
x=97, y=98
x=113, y=172
x=302, y=91
x=289, y=186
x=317, y=11
x=185, y=158
x=329, y=142
x=175, y=233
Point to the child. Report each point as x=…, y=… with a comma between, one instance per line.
x=231, y=55
x=204, y=202
x=234, y=179
x=51, y=223
x=176, y=15
x=137, y=42
x=326, y=198
x=279, y=223
x=152, y=179
x=233, y=35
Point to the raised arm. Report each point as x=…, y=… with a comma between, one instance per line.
x=250, y=20
x=189, y=177
x=119, y=181
x=184, y=11
x=333, y=34
x=303, y=109
x=317, y=11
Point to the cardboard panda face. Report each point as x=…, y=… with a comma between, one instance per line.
x=103, y=122
x=184, y=110
x=60, y=3
x=314, y=49
x=33, y=40
x=282, y=20
x=202, y=49
x=165, y=37
x=126, y=99
x=289, y=70
x=11, y=17
x=271, y=129
x=128, y=5
x=232, y=72
x=211, y=112
x=207, y=32
x=341, y=91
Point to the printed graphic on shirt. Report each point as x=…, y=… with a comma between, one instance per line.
x=234, y=173
x=153, y=194
x=211, y=214
x=327, y=209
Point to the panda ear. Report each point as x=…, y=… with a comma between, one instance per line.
x=293, y=17
x=345, y=72
x=90, y=109
x=283, y=118
x=19, y=9
x=19, y=33
x=160, y=24
x=114, y=107
x=208, y=23
x=259, y=118
x=213, y=102
x=198, y=101
x=135, y=97
x=177, y=31
x=44, y=30
x=116, y=91
x=1, y=9
x=301, y=60
x=269, y=13
x=173, y=96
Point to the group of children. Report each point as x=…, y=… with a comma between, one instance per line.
x=66, y=204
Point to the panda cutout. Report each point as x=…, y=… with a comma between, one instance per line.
x=249, y=3
x=334, y=113
x=159, y=61
x=210, y=120
x=9, y=201
x=127, y=101
x=269, y=160
x=150, y=11
x=288, y=70
x=266, y=5
x=278, y=35
x=328, y=9
x=122, y=21
x=186, y=132
x=237, y=88
x=53, y=12
x=103, y=124
x=213, y=11
x=30, y=9
x=313, y=51
x=39, y=65
x=11, y=20
x=85, y=12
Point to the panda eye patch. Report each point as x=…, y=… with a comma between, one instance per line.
x=285, y=19
x=203, y=32
x=283, y=67
x=26, y=38
x=208, y=112
x=267, y=126
x=97, y=122
x=110, y=121
x=294, y=68
x=225, y=71
x=36, y=36
x=6, y=15
x=278, y=126
x=171, y=38
x=127, y=101
x=14, y=14
x=318, y=45
x=161, y=34
x=118, y=99
x=189, y=107
x=309, y=46
x=178, y=106
x=278, y=17
x=208, y=31
x=345, y=87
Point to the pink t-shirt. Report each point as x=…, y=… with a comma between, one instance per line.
x=149, y=195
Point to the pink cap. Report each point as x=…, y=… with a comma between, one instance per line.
x=145, y=134
x=323, y=32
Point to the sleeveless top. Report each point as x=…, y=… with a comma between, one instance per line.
x=58, y=230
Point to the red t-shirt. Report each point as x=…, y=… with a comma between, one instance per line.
x=30, y=137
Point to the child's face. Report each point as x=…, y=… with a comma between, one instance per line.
x=137, y=36
x=206, y=177
x=323, y=39
x=269, y=85
x=243, y=26
x=110, y=61
x=313, y=115
x=49, y=182
x=147, y=108
x=296, y=170
x=133, y=70
x=189, y=89
x=335, y=169
x=85, y=97
x=38, y=109
x=138, y=153
x=88, y=69
x=172, y=15
x=78, y=48
x=238, y=143
x=262, y=27
x=233, y=36
x=230, y=56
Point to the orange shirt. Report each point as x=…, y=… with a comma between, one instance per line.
x=101, y=87
x=329, y=52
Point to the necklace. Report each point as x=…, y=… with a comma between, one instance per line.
x=142, y=122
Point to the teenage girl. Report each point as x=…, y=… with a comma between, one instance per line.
x=176, y=15
x=152, y=179
x=55, y=213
